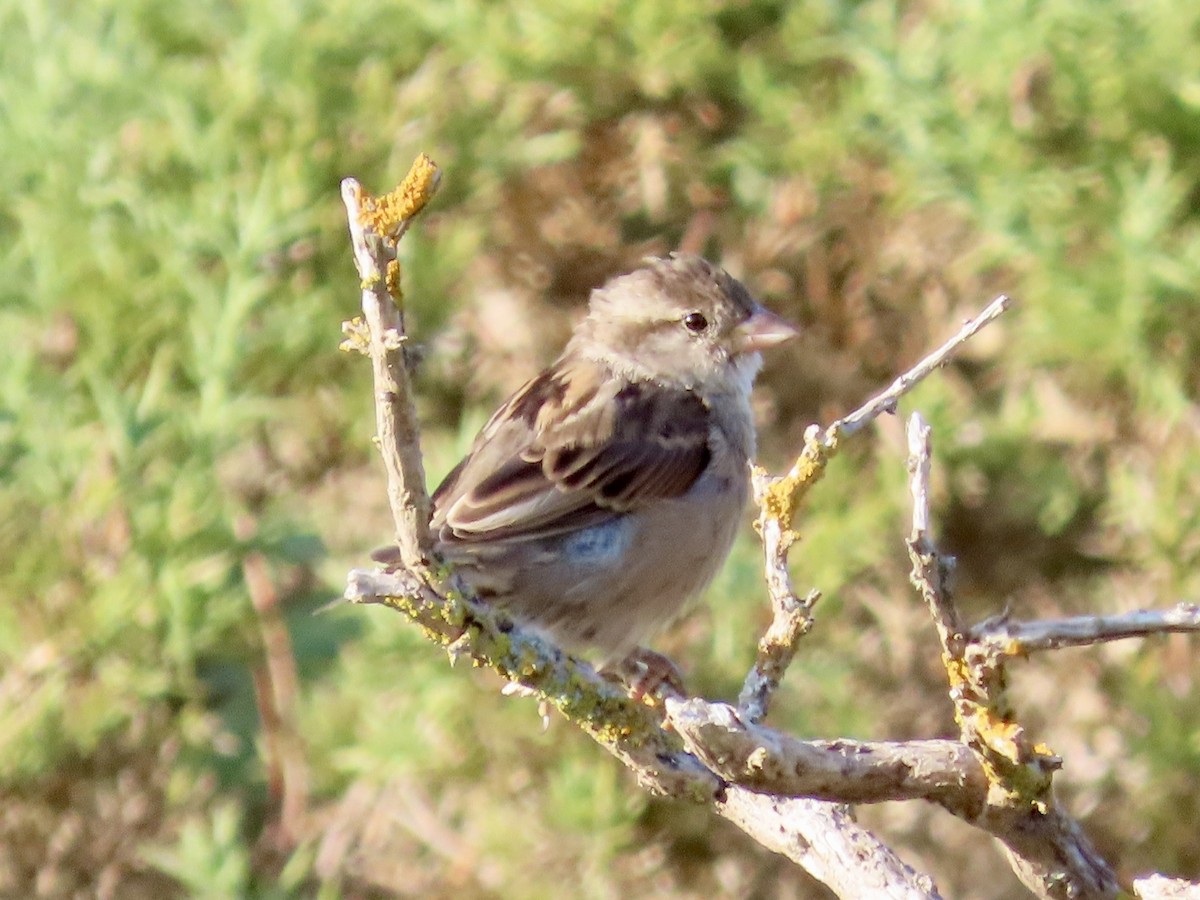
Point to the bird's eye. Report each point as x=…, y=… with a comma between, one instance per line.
x=695, y=322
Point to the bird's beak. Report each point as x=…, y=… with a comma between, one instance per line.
x=762, y=330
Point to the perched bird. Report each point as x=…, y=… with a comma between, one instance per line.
x=606, y=492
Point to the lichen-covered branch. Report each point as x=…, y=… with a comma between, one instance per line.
x=376, y=225
x=629, y=730
x=778, y=498
x=784, y=494
x=821, y=837
x=1019, y=769
x=791, y=616
x=1048, y=850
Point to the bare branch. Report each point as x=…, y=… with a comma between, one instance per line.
x=828, y=843
x=886, y=401
x=1018, y=638
x=778, y=499
x=1052, y=856
x=1156, y=887
x=929, y=569
x=845, y=771
x=1047, y=848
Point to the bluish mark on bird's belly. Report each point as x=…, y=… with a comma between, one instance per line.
x=598, y=545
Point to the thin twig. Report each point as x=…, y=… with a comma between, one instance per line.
x=779, y=498
x=819, y=446
x=929, y=568
x=886, y=401
x=1014, y=638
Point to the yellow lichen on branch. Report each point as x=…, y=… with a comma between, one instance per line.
x=388, y=216
x=391, y=280
x=783, y=495
x=1018, y=770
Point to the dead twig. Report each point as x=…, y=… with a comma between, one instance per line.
x=1049, y=851
x=376, y=225
x=1014, y=638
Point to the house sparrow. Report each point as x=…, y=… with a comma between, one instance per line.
x=606, y=492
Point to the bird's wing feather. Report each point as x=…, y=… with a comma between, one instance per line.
x=574, y=447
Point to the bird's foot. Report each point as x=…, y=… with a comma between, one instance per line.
x=646, y=672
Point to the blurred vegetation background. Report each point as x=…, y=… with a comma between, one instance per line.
x=186, y=468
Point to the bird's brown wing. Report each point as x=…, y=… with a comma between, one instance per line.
x=573, y=447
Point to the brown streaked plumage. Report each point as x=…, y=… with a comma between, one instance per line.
x=607, y=491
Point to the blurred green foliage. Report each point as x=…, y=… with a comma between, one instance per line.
x=173, y=410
